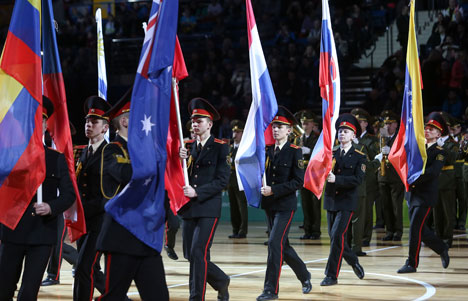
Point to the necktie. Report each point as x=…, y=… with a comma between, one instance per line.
x=199, y=148
x=90, y=151
x=277, y=150
x=342, y=153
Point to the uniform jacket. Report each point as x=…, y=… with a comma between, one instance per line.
x=42, y=230
x=447, y=175
x=208, y=175
x=116, y=173
x=285, y=175
x=424, y=191
x=349, y=173
x=89, y=179
x=390, y=173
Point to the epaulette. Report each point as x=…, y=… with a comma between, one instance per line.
x=117, y=143
x=294, y=146
x=439, y=147
x=359, y=152
x=54, y=150
x=219, y=141
x=189, y=141
x=336, y=147
x=79, y=147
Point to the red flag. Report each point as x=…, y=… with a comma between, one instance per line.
x=174, y=176
x=58, y=123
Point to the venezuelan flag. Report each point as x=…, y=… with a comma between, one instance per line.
x=408, y=153
x=22, y=161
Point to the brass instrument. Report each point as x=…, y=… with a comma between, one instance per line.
x=383, y=142
x=296, y=135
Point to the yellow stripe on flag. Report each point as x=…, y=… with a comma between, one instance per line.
x=9, y=91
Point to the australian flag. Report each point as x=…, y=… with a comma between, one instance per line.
x=140, y=205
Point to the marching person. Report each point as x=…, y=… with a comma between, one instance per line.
x=237, y=199
x=284, y=176
x=88, y=173
x=36, y=232
x=127, y=258
x=341, y=194
x=208, y=176
x=422, y=196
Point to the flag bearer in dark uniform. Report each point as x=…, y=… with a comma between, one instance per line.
x=284, y=170
x=391, y=187
x=341, y=194
x=36, y=232
x=127, y=258
x=422, y=196
x=237, y=199
x=444, y=209
x=461, y=201
x=208, y=175
x=371, y=144
x=88, y=173
x=311, y=205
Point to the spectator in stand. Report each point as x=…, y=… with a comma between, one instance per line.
x=284, y=35
x=453, y=104
x=187, y=21
x=458, y=70
x=452, y=10
x=214, y=9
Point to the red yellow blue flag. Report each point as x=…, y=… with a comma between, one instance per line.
x=408, y=153
x=22, y=164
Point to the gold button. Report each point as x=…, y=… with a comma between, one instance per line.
x=198, y=166
x=196, y=176
x=274, y=175
x=272, y=183
x=84, y=194
x=274, y=167
x=195, y=186
x=85, y=174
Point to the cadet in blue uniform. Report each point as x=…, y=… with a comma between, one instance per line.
x=127, y=258
x=88, y=173
x=341, y=193
x=422, y=196
x=284, y=176
x=36, y=232
x=208, y=176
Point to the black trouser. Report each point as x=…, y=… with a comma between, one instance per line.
x=312, y=212
x=338, y=223
x=461, y=203
x=238, y=205
x=279, y=250
x=372, y=195
x=420, y=232
x=357, y=226
x=147, y=271
x=392, y=194
x=87, y=272
x=59, y=251
x=11, y=264
x=172, y=226
x=198, y=236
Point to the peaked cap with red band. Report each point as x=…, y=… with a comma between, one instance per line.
x=96, y=107
x=348, y=121
x=122, y=106
x=199, y=107
x=436, y=120
x=284, y=116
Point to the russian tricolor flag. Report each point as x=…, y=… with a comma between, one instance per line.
x=22, y=164
x=250, y=158
x=320, y=162
x=408, y=154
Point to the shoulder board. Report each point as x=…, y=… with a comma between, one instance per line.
x=294, y=146
x=189, y=141
x=219, y=141
x=335, y=148
x=80, y=146
x=269, y=145
x=53, y=149
x=439, y=147
x=359, y=152
x=116, y=143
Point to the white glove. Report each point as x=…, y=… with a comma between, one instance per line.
x=355, y=140
x=305, y=150
x=331, y=178
x=440, y=142
x=379, y=157
x=386, y=150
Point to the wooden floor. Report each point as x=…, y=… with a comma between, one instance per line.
x=245, y=261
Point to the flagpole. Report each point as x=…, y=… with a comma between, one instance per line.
x=179, y=127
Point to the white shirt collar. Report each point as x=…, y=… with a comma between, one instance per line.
x=281, y=145
x=203, y=142
x=346, y=149
x=96, y=145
